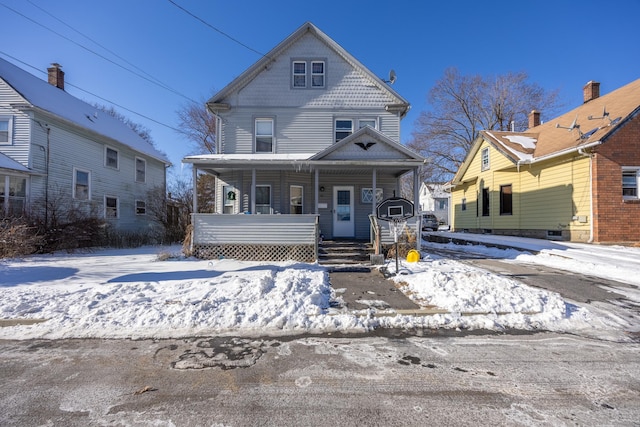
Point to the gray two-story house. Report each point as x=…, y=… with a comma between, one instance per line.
x=59, y=154
x=308, y=143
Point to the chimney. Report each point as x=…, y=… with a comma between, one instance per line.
x=591, y=91
x=534, y=119
x=56, y=75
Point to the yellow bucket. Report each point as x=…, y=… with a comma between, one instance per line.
x=413, y=256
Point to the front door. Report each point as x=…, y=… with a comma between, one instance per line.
x=343, y=214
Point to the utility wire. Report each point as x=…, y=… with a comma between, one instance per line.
x=217, y=30
x=97, y=96
x=97, y=54
x=98, y=44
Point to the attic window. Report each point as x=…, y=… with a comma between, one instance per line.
x=308, y=73
x=485, y=159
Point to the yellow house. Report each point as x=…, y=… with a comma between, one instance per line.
x=573, y=178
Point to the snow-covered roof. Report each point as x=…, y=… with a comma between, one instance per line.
x=53, y=100
x=7, y=162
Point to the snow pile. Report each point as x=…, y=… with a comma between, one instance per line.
x=131, y=294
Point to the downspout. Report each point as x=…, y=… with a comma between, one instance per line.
x=46, y=179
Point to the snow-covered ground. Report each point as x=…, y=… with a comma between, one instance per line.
x=137, y=293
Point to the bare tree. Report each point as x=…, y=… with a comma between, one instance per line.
x=144, y=132
x=462, y=106
x=199, y=126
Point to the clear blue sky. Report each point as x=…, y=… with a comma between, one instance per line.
x=560, y=44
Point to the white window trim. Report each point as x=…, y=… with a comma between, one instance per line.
x=135, y=170
x=75, y=176
x=635, y=169
x=106, y=196
x=366, y=195
x=270, y=197
x=323, y=74
x=145, y=207
x=273, y=133
x=8, y=119
x=294, y=74
x=106, y=157
x=291, y=205
x=308, y=74
x=483, y=166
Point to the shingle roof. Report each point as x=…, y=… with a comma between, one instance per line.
x=594, y=121
x=49, y=98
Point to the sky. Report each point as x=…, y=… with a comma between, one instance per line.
x=156, y=292
x=149, y=58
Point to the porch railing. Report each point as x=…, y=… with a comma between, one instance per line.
x=256, y=237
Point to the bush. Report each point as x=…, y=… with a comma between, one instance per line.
x=18, y=238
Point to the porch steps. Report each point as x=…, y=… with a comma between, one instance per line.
x=332, y=252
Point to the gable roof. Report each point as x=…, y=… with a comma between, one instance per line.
x=46, y=97
x=383, y=148
x=401, y=105
x=594, y=122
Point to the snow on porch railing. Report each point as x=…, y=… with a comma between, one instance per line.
x=256, y=237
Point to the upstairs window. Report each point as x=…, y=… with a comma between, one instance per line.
x=485, y=159
x=111, y=158
x=141, y=170
x=372, y=123
x=264, y=135
x=344, y=128
x=299, y=74
x=630, y=180
x=141, y=207
x=5, y=130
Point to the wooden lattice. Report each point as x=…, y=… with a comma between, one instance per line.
x=302, y=253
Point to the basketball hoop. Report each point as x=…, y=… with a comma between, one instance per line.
x=396, y=228
x=395, y=211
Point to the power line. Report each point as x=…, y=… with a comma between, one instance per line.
x=99, y=55
x=98, y=44
x=97, y=96
x=217, y=30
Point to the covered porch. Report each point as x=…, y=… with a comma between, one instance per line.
x=280, y=206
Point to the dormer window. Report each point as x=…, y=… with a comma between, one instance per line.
x=308, y=74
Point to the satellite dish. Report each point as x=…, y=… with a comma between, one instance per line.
x=392, y=77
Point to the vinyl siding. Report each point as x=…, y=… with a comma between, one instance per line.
x=71, y=148
x=297, y=130
x=280, y=182
x=548, y=195
x=18, y=150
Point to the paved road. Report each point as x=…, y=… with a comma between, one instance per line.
x=541, y=379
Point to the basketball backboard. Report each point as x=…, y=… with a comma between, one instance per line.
x=394, y=208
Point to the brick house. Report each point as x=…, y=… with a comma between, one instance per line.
x=575, y=177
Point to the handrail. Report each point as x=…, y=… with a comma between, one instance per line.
x=375, y=231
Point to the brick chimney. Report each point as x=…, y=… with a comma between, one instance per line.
x=56, y=75
x=591, y=91
x=534, y=119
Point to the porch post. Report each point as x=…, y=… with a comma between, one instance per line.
x=416, y=205
x=194, y=170
x=316, y=191
x=252, y=204
x=374, y=201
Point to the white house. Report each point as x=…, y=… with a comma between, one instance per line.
x=308, y=143
x=435, y=199
x=58, y=150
